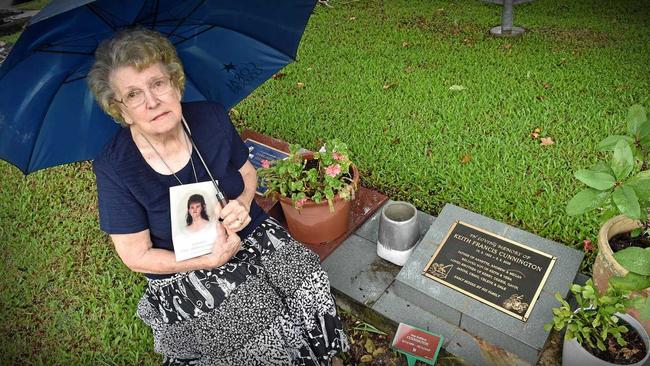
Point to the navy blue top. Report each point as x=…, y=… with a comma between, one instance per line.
x=134, y=197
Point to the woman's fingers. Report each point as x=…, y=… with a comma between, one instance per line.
x=233, y=240
x=238, y=223
x=231, y=233
x=225, y=236
x=222, y=234
x=217, y=211
x=226, y=244
x=235, y=216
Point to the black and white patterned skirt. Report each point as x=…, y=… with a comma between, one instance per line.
x=269, y=305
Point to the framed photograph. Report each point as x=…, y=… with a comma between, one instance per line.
x=194, y=227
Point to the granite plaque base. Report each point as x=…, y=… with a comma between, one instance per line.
x=524, y=338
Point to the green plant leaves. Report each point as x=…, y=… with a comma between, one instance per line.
x=365, y=327
x=602, y=167
x=610, y=142
x=623, y=160
x=645, y=141
x=296, y=186
x=630, y=282
x=627, y=202
x=636, y=122
x=595, y=318
x=643, y=305
x=318, y=176
x=635, y=259
x=597, y=180
x=641, y=185
x=588, y=292
x=609, y=212
x=585, y=200
x=630, y=196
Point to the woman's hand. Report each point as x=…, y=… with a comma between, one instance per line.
x=225, y=246
x=235, y=215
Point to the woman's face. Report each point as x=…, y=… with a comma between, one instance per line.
x=159, y=114
x=195, y=210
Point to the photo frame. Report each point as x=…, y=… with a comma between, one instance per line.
x=194, y=227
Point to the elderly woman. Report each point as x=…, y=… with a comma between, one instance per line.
x=259, y=297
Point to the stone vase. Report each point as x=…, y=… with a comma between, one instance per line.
x=605, y=266
x=398, y=232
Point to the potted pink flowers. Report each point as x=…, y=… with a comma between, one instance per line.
x=314, y=189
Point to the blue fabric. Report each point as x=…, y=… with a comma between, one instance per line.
x=47, y=113
x=133, y=197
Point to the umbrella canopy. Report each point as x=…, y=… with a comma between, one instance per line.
x=47, y=113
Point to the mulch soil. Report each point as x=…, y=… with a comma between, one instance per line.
x=369, y=348
x=366, y=347
x=631, y=353
x=624, y=240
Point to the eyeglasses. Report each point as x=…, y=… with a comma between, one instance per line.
x=135, y=97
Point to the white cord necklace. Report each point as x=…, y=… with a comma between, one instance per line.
x=164, y=162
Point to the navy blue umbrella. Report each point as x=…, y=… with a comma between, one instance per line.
x=228, y=48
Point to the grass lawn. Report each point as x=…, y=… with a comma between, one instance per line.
x=382, y=76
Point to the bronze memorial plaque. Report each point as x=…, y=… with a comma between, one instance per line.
x=489, y=268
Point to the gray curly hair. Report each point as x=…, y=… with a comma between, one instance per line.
x=139, y=48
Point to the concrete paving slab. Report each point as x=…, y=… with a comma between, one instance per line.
x=475, y=351
x=399, y=310
x=509, y=341
x=370, y=229
x=466, y=347
x=355, y=269
x=431, y=298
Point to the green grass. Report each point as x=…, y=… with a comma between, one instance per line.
x=30, y=5
x=410, y=139
x=33, y=5
x=10, y=38
x=67, y=299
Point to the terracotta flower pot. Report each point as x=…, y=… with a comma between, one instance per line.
x=314, y=223
x=573, y=354
x=606, y=266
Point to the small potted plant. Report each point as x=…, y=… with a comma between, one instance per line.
x=598, y=332
x=620, y=189
x=314, y=189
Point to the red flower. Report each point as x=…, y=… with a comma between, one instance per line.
x=333, y=170
x=266, y=164
x=301, y=202
x=587, y=245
